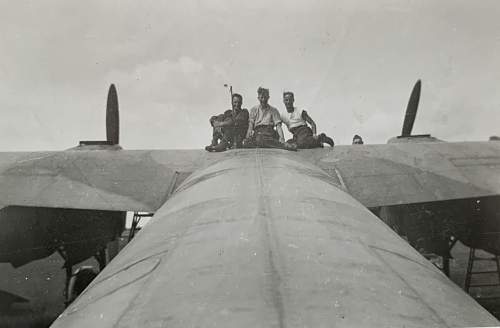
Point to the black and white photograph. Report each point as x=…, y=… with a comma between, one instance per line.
x=230, y=163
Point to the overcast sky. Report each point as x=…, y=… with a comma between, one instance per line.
x=351, y=64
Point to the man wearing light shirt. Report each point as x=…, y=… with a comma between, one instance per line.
x=262, y=121
x=296, y=120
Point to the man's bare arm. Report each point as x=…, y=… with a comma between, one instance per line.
x=309, y=120
x=250, y=129
x=280, y=132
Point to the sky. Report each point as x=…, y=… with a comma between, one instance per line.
x=351, y=64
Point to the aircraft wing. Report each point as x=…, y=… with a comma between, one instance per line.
x=141, y=180
x=380, y=175
x=135, y=180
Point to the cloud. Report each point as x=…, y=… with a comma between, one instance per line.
x=164, y=81
x=170, y=97
x=350, y=63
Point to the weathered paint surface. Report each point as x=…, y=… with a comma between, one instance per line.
x=379, y=175
x=264, y=238
x=94, y=179
x=139, y=180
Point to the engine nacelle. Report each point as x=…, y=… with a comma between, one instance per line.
x=30, y=233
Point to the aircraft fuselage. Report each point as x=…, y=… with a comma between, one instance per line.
x=265, y=238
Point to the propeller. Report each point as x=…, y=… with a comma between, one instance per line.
x=112, y=117
x=411, y=110
x=112, y=123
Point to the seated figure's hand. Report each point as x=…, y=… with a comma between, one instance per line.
x=248, y=138
x=290, y=146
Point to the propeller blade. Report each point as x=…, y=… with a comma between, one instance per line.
x=411, y=110
x=112, y=117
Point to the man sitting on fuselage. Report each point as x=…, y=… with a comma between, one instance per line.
x=230, y=127
x=262, y=120
x=296, y=120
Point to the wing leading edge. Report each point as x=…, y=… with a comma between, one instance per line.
x=140, y=180
x=133, y=180
x=382, y=175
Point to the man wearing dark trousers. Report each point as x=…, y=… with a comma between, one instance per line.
x=263, y=119
x=296, y=120
x=230, y=127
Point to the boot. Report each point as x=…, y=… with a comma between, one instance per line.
x=222, y=146
x=213, y=144
x=323, y=138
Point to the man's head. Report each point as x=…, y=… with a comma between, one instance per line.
x=263, y=95
x=237, y=100
x=288, y=100
x=357, y=140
